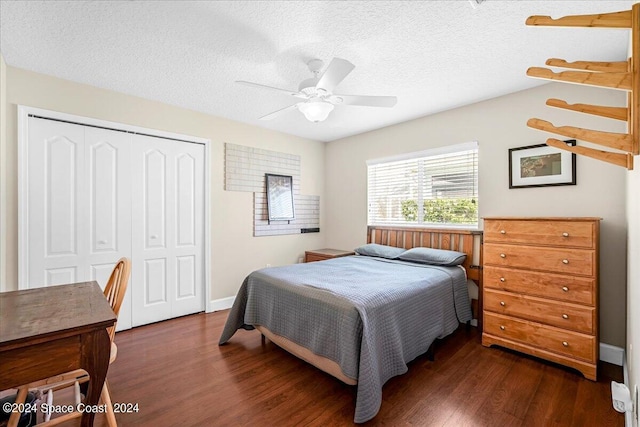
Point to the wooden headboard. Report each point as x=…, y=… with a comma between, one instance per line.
x=452, y=239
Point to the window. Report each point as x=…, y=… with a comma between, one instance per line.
x=433, y=187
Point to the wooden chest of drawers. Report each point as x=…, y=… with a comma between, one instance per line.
x=541, y=288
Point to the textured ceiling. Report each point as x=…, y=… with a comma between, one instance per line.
x=432, y=55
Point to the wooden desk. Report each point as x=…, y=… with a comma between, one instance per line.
x=50, y=331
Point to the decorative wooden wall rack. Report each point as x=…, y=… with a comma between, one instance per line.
x=623, y=75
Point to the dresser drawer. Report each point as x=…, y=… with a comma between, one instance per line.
x=563, y=315
x=568, y=261
x=568, y=343
x=575, y=289
x=577, y=234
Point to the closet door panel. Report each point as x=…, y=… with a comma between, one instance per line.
x=57, y=276
x=167, y=236
x=153, y=271
x=189, y=220
x=186, y=277
x=155, y=199
x=56, y=203
x=107, y=156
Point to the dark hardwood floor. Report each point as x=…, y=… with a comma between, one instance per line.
x=179, y=376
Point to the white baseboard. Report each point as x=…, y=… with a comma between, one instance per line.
x=220, y=304
x=611, y=354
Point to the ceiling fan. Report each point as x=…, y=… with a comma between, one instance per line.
x=318, y=99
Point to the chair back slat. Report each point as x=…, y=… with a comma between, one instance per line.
x=116, y=288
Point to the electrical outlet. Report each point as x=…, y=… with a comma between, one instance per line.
x=621, y=397
x=268, y=265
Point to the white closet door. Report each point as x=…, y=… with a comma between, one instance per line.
x=96, y=195
x=167, y=213
x=79, y=205
x=57, y=212
x=107, y=159
x=189, y=229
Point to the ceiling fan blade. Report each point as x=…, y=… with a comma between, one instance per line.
x=287, y=91
x=368, y=101
x=279, y=112
x=337, y=70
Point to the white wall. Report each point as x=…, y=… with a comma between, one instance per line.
x=497, y=125
x=235, y=252
x=3, y=157
x=633, y=281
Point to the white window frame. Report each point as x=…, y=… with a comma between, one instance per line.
x=449, y=149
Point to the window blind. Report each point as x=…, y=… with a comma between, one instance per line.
x=434, y=187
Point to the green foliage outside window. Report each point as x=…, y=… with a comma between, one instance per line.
x=448, y=211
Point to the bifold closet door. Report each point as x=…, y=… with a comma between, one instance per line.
x=78, y=204
x=56, y=204
x=167, y=185
x=96, y=195
x=108, y=169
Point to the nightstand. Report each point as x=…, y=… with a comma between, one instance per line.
x=322, y=254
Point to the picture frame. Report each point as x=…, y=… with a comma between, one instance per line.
x=280, y=197
x=541, y=166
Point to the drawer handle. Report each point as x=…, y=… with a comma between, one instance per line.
x=502, y=279
x=503, y=232
x=502, y=328
x=503, y=255
x=565, y=316
x=502, y=303
x=565, y=289
x=564, y=343
x=565, y=234
x=565, y=261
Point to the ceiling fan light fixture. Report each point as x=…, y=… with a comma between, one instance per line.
x=316, y=111
x=318, y=99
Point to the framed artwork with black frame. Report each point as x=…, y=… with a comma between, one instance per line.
x=280, y=197
x=541, y=166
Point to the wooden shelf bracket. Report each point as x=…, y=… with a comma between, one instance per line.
x=619, y=75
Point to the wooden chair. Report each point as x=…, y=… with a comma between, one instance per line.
x=114, y=291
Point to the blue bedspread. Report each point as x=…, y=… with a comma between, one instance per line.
x=370, y=315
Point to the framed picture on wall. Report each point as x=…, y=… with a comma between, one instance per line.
x=280, y=197
x=541, y=166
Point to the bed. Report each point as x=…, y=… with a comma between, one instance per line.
x=363, y=318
